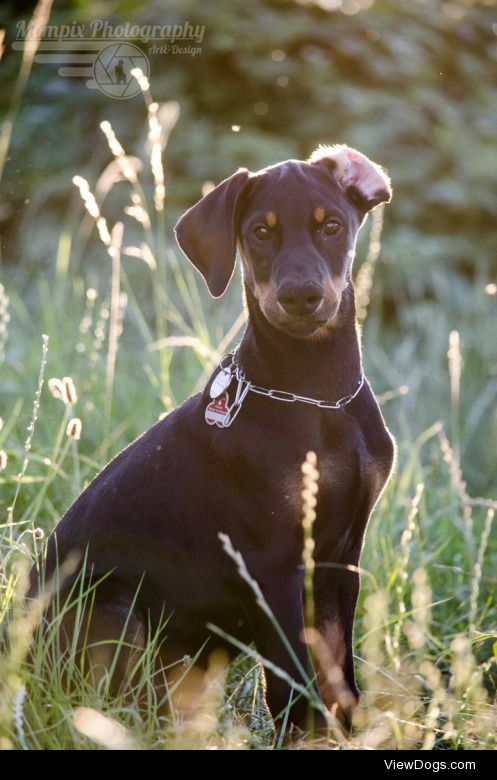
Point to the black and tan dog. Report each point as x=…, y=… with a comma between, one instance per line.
x=228, y=461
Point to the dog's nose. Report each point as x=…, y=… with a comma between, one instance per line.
x=300, y=300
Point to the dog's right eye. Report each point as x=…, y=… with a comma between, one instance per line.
x=261, y=232
x=331, y=227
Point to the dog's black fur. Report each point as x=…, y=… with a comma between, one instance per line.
x=152, y=517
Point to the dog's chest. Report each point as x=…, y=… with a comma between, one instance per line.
x=344, y=468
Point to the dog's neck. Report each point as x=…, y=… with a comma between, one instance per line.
x=324, y=368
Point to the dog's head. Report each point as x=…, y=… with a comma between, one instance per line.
x=295, y=225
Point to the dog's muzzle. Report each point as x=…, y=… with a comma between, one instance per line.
x=300, y=300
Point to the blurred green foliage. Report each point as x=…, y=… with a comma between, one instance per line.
x=411, y=83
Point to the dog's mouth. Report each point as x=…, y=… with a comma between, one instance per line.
x=302, y=327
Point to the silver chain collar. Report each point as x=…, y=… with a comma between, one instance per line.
x=244, y=386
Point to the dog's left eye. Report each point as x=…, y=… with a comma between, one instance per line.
x=261, y=232
x=331, y=227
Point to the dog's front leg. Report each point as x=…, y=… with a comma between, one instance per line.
x=280, y=640
x=336, y=589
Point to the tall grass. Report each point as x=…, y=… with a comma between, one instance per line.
x=140, y=335
x=39, y=19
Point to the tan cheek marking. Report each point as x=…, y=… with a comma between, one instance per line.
x=319, y=213
x=267, y=298
x=271, y=219
x=339, y=283
x=334, y=285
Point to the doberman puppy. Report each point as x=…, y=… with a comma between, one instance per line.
x=228, y=461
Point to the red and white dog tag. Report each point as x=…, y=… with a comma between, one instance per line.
x=217, y=411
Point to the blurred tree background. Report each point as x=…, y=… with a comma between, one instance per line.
x=412, y=83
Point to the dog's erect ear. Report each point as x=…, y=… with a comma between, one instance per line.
x=207, y=232
x=365, y=183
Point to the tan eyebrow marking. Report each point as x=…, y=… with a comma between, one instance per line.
x=271, y=219
x=319, y=213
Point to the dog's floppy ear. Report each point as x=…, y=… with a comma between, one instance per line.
x=365, y=183
x=207, y=232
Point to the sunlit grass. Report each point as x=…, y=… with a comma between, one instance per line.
x=124, y=348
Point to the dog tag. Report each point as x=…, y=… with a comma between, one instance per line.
x=217, y=411
x=220, y=383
